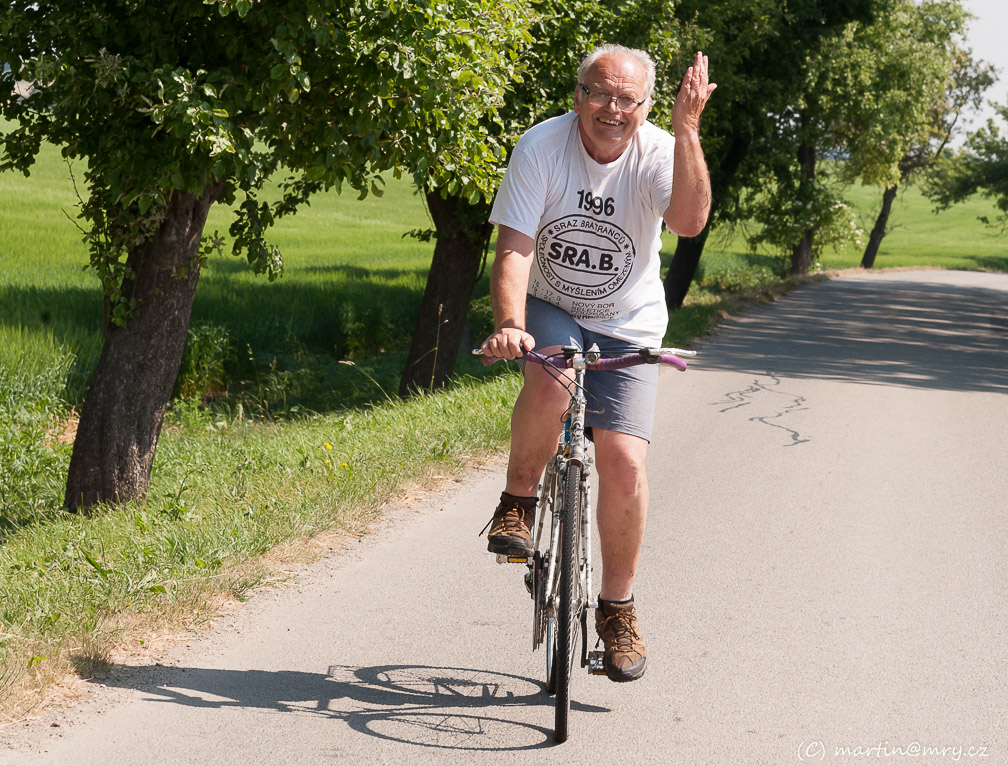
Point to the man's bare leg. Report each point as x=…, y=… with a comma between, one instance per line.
x=622, y=513
x=621, y=509
x=535, y=428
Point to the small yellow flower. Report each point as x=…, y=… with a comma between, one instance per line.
x=328, y=445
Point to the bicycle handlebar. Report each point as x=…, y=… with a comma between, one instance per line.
x=669, y=356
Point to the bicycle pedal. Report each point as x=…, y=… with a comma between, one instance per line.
x=596, y=664
x=503, y=558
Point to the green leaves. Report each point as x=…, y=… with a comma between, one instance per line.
x=227, y=7
x=177, y=96
x=102, y=571
x=875, y=93
x=980, y=167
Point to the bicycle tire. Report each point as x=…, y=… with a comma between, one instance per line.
x=544, y=619
x=567, y=620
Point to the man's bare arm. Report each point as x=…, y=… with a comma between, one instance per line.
x=508, y=287
x=690, y=202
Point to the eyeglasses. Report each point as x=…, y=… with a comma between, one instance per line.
x=623, y=103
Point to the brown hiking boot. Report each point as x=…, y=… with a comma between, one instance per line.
x=510, y=528
x=625, y=655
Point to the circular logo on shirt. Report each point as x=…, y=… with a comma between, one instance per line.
x=584, y=258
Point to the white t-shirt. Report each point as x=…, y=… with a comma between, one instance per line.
x=596, y=228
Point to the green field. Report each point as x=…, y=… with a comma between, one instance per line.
x=272, y=437
x=351, y=288
x=952, y=239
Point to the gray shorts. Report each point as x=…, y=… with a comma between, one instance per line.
x=618, y=400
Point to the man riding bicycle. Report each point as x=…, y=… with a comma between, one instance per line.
x=579, y=217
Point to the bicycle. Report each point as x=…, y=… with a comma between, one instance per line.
x=559, y=576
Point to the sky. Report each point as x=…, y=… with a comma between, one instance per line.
x=987, y=37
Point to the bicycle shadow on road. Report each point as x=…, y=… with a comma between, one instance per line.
x=447, y=708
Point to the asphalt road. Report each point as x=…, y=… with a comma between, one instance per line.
x=824, y=579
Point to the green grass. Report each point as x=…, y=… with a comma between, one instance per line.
x=917, y=236
x=273, y=438
x=952, y=239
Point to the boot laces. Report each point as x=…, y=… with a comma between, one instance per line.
x=513, y=521
x=622, y=628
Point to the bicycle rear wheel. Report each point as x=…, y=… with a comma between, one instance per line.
x=567, y=620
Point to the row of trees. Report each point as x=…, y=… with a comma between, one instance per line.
x=181, y=104
x=879, y=83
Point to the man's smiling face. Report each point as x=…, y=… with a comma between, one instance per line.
x=605, y=130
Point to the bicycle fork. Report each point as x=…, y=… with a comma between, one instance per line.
x=593, y=660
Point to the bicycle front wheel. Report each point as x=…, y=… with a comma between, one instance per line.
x=567, y=619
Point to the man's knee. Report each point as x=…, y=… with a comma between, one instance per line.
x=545, y=388
x=621, y=461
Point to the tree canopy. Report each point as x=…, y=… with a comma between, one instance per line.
x=980, y=167
x=178, y=95
x=760, y=54
x=875, y=92
x=173, y=106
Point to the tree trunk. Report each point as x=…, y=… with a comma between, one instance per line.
x=683, y=268
x=879, y=229
x=801, y=255
x=462, y=237
x=124, y=410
